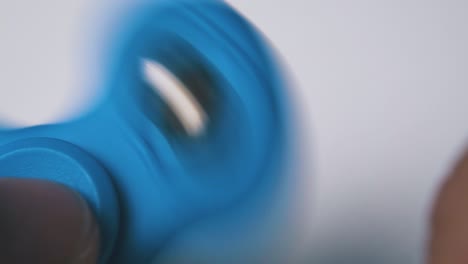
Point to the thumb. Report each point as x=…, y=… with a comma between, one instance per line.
x=449, y=233
x=44, y=222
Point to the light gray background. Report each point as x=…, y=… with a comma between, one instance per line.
x=383, y=83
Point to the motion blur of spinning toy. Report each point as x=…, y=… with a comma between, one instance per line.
x=193, y=130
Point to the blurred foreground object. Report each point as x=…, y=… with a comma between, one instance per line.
x=449, y=234
x=186, y=159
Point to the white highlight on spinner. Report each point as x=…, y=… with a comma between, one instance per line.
x=182, y=102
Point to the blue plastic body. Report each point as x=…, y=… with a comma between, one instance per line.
x=143, y=180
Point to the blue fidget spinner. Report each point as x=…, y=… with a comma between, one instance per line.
x=193, y=123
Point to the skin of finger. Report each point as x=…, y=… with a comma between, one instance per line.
x=449, y=226
x=43, y=222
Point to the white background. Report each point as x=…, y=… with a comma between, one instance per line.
x=384, y=84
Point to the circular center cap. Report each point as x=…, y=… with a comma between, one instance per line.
x=64, y=163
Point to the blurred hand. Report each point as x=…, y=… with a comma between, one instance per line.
x=449, y=234
x=45, y=223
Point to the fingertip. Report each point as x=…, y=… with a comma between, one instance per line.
x=45, y=222
x=449, y=223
